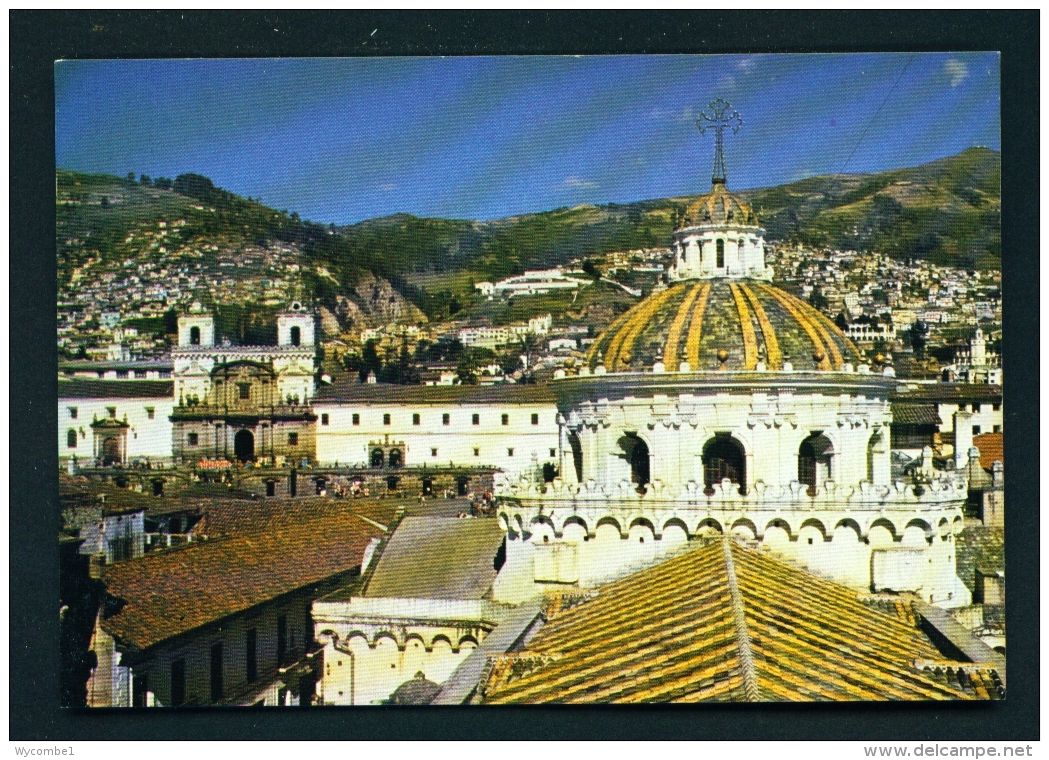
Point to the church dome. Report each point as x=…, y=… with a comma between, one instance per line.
x=719, y=206
x=730, y=324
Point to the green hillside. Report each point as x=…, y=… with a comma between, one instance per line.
x=947, y=211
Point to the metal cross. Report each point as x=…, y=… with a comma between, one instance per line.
x=717, y=119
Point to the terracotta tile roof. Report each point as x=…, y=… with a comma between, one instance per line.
x=438, y=558
x=724, y=623
x=991, y=449
x=173, y=592
x=948, y=393
x=87, y=388
x=349, y=391
x=915, y=414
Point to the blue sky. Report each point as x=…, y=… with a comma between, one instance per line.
x=341, y=140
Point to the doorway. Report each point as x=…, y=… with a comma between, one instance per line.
x=110, y=452
x=244, y=446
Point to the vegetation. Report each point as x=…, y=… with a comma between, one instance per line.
x=947, y=211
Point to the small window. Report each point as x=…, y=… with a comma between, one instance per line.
x=296, y=336
x=245, y=390
x=324, y=419
x=446, y=419
x=416, y=419
x=386, y=419
x=996, y=407
x=506, y=419
x=553, y=453
x=720, y=247
x=151, y=412
x=976, y=429
x=192, y=439
x=535, y=419
x=111, y=412
x=976, y=407
x=71, y=438
x=194, y=336
x=293, y=439
x=72, y=412
x=477, y=419
x=477, y=452
x=433, y=452
x=509, y=452
x=356, y=419
x=997, y=428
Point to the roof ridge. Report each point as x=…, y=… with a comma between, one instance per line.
x=746, y=655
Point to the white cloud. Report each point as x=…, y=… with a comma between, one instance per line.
x=747, y=65
x=578, y=183
x=956, y=70
x=388, y=186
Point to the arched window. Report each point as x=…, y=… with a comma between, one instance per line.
x=378, y=458
x=723, y=458
x=194, y=336
x=814, y=461
x=396, y=458
x=875, y=451
x=635, y=451
x=721, y=253
x=71, y=438
x=296, y=336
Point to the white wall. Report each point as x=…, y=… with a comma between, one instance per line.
x=145, y=438
x=343, y=442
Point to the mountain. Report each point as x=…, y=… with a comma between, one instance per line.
x=947, y=211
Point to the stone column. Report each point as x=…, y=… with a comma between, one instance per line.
x=963, y=438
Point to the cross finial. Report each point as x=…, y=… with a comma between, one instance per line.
x=717, y=118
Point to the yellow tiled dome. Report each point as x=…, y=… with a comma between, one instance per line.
x=722, y=324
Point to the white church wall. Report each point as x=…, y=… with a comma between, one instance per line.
x=518, y=447
x=147, y=436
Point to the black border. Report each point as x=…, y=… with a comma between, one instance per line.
x=37, y=38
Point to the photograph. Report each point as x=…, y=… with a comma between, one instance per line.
x=530, y=379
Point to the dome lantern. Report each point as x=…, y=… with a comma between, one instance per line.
x=720, y=236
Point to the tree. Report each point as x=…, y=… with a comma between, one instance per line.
x=145, y=180
x=842, y=321
x=590, y=269
x=817, y=300
x=916, y=337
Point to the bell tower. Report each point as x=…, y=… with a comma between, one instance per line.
x=295, y=327
x=196, y=328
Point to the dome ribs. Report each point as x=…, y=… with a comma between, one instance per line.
x=695, y=328
x=773, y=354
x=671, y=357
x=610, y=332
x=623, y=342
x=750, y=342
x=810, y=329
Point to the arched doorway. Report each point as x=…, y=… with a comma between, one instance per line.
x=378, y=458
x=635, y=451
x=110, y=452
x=194, y=336
x=723, y=457
x=396, y=458
x=244, y=446
x=814, y=461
